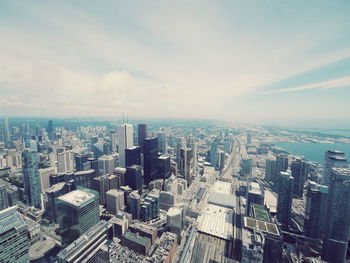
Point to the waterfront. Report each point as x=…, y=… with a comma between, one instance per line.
x=313, y=151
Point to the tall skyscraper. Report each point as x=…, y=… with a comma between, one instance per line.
x=333, y=159
x=186, y=166
x=281, y=166
x=6, y=131
x=133, y=156
x=114, y=141
x=32, y=186
x=150, y=155
x=135, y=204
x=315, y=210
x=65, y=162
x=80, y=161
x=163, y=167
x=115, y=201
x=162, y=143
x=214, y=153
x=4, y=202
x=125, y=140
x=106, y=164
x=133, y=177
x=337, y=227
x=78, y=212
x=50, y=130
x=270, y=170
x=284, y=197
x=104, y=183
x=142, y=134
x=300, y=172
x=14, y=241
x=180, y=143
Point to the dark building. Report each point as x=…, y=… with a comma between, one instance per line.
x=337, y=227
x=142, y=134
x=60, y=178
x=270, y=170
x=50, y=130
x=93, y=163
x=133, y=177
x=163, y=167
x=133, y=156
x=281, y=166
x=84, y=178
x=80, y=160
x=285, y=197
x=315, y=210
x=300, y=171
x=150, y=155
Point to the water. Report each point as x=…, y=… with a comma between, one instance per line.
x=313, y=151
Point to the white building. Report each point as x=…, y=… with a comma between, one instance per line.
x=125, y=140
x=115, y=201
x=106, y=164
x=65, y=162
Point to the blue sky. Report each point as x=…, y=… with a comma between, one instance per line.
x=274, y=62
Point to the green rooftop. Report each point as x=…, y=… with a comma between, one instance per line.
x=260, y=212
x=137, y=238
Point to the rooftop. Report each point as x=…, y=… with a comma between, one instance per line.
x=254, y=188
x=9, y=219
x=135, y=237
x=266, y=227
x=77, y=197
x=260, y=212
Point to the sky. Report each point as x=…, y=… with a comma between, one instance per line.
x=260, y=62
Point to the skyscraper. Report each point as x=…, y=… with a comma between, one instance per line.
x=133, y=156
x=142, y=134
x=115, y=201
x=78, y=212
x=133, y=177
x=162, y=143
x=284, y=197
x=125, y=140
x=214, y=153
x=300, y=171
x=281, y=166
x=163, y=167
x=337, y=227
x=333, y=159
x=14, y=241
x=150, y=155
x=315, y=210
x=31, y=178
x=50, y=131
x=186, y=166
x=135, y=204
x=65, y=162
x=114, y=141
x=270, y=170
x=6, y=131
x=106, y=164
x=4, y=202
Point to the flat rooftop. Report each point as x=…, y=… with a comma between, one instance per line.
x=254, y=188
x=137, y=238
x=260, y=212
x=77, y=197
x=222, y=187
x=266, y=227
x=216, y=221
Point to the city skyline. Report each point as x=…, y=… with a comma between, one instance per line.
x=281, y=63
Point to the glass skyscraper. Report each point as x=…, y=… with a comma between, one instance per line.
x=31, y=177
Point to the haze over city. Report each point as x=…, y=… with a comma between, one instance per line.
x=279, y=62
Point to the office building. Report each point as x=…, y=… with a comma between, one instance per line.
x=281, y=166
x=125, y=140
x=175, y=220
x=255, y=195
x=249, y=138
x=120, y=173
x=180, y=143
x=270, y=170
x=186, y=167
x=78, y=212
x=114, y=141
x=150, y=206
x=142, y=134
x=134, y=204
x=213, y=152
x=106, y=164
x=104, y=183
x=133, y=177
x=31, y=144
x=337, y=226
x=84, y=178
x=44, y=175
x=50, y=131
x=162, y=143
x=115, y=201
x=7, y=136
x=300, y=172
x=285, y=197
x=333, y=159
x=92, y=247
x=32, y=186
x=133, y=156
x=4, y=202
x=315, y=210
x=163, y=167
x=136, y=242
x=80, y=161
x=150, y=155
x=14, y=240
x=65, y=162
x=246, y=166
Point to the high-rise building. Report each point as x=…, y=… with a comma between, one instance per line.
x=270, y=170
x=213, y=152
x=120, y=173
x=78, y=212
x=150, y=155
x=300, y=171
x=180, y=143
x=281, y=166
x=90, y=247
x=163, y=167
x=255, y=195
x=65, y=162
x=31, y=144
x=150, y=206
x=315, y=210
x=186, y=166
x=125, y=140
x=115, y=201
x=133, y=156
x=249, y=138
x=133, y=177
x=142, y=134
x=50, y=130
x=7, y=137
x=333, y=159
x=14, y=241
x=284, y=197
x=4, y=202
x=246, y=166
x=114, y=141
x=337, y=226
x=80, y=161
x=134, y=204
x=162, y=143
x=32, y=186
x=104, y=183
x=106, y=164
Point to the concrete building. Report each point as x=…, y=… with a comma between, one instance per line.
x=4, y=202
x=115, y=201
x=246, y=166
x=134, y=204
x=285, y=197
x=333, y=159
x=175, y=219
x=44, y=175
x=114, y=141
x=186, y=167
x=162, y=143
x=255, y=195
x=14, y=241
x=78, y=212
x=125, y=140
x=65, y=162
x=106, y=164
x=300, y=173
x=104, y=183
x=142, y=134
